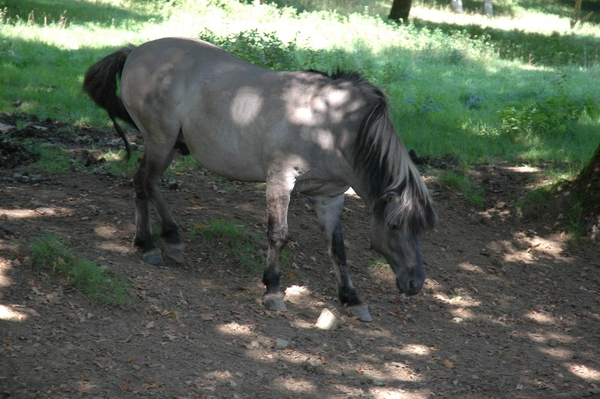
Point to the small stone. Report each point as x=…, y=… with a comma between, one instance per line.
x=281, y=343
x=328, y=321
x=6, y=128
x=252, y=345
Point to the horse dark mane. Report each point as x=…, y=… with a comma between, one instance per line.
x=382, y=159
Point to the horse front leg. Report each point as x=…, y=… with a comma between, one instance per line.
x=278, y=200
x=329, y=211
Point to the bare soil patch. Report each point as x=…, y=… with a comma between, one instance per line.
x=510, y=309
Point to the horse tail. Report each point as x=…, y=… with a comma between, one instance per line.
x=100, y=83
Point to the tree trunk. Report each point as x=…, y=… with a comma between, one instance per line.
x=457, y=6
x=587, y=185
x=400, y=10
x=487, y=8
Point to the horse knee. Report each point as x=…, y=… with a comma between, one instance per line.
x=278, y=237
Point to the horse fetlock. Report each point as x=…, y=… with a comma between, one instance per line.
x=274, y=301
x=348, y=296
x=144, y=242
x=271, y=279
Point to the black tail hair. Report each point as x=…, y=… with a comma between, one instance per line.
x=100, y=84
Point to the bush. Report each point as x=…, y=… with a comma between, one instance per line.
x=545, y=116
x=263, y=49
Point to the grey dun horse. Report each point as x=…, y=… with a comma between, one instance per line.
x=304, y=132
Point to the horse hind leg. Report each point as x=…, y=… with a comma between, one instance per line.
x=329, y=211
x=146, y=183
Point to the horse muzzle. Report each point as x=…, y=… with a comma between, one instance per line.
x=410, y=286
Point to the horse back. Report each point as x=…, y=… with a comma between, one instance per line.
x=237, y=119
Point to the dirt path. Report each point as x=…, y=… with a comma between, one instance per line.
x=509, y=309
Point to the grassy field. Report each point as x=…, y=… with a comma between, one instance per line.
x=521, y=87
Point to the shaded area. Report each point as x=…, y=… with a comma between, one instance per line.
x=508, y=308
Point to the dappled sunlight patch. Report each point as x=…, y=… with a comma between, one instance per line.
x=16, y=214
x=216, y=378
x=105, y=231
x=548, y=246
x=9, y=313
x=462, y=314
x=584, y=372
x=534, y=22
x=20, y=213
x=557, y=353
x=299, y=385
x=234, y=328
x=522, y=169
x=552, y=338
x=532, y=248
x=470, y=267
x=396, y=371
x=112, y=247
x=415, y=350
x=389, y=393
x=5, y=266
x=461, y=300
x=540, y=318
x=296, y=293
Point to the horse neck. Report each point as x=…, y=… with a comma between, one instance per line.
x=361, y=186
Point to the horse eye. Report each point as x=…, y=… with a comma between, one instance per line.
x=395, y=227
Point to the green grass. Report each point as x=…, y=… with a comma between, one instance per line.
x=507, y=89
x=462, y=183
x=52, y=159
x=533, y=205
x=48, y=253
x=228, y=239
x=182, y=164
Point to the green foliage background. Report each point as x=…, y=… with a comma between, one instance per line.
x=464, y=87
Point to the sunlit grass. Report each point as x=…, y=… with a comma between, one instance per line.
x=446, y=85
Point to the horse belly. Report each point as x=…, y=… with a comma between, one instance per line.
x=232, y=165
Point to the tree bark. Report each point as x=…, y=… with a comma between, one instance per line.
x=586, y=186
x=487, y=8
x=457, y=6
x=400, y=10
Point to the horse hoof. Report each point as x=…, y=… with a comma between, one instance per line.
x=274, y=302
x=361, y=312
x=175, y=254
x=154, y=257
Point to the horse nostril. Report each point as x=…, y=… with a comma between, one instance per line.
x=412, y=285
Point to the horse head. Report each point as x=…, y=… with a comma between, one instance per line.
x=396, y=228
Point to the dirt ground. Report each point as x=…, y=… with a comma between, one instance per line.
x=510, y=309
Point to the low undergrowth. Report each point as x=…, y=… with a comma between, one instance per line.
x=230, y=240
x=465, y=185
x=49, y=254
